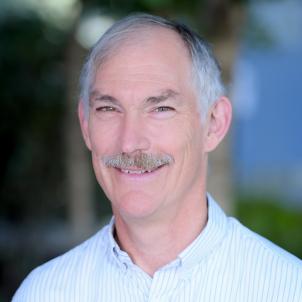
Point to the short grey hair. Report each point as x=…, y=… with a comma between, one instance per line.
x=205, y=68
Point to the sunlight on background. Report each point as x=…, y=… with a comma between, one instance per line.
x=91, y=27
x=61, y=13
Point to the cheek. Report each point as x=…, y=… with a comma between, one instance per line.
x=183, y=137
x=102, y=137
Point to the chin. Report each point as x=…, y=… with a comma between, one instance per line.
x=134, y=205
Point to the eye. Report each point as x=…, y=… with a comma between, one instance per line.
x=163, y=112
x=163, y=109
x=106, y=109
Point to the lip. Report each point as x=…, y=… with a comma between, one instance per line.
x=137, y=174
x=130, y=171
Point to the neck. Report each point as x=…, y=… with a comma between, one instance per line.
x=152, y=244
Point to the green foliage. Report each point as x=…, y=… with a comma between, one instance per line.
x=32, y=95
x=271, y=219
x=128, y=6
x=258, y=35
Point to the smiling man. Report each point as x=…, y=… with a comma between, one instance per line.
x=152, y=107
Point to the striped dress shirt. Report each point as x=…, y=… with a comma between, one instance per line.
x=226, y=262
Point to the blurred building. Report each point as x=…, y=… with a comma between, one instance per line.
x=267, y=98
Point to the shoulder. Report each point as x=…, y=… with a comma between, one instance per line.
x=265, y=268
x=65, y=272
x=258, y=246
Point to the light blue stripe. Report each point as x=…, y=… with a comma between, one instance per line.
x=227, y=262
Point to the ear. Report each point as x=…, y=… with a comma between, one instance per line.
x=218, y=123
x=84, y=124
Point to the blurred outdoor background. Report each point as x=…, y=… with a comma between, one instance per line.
x=50, y=200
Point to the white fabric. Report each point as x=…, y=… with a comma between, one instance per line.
x=227, y=262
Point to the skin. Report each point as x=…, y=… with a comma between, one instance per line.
x=143, y=101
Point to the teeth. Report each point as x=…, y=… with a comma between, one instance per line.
x=135, y=171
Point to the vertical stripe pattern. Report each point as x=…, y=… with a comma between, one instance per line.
x=226, y=262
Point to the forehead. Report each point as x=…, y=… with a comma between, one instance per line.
x=148, y=55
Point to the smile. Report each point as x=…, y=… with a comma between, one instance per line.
x=137, y=171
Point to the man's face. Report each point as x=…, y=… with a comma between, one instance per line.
x=143, y=102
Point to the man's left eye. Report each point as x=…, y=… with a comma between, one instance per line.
x=163, y=109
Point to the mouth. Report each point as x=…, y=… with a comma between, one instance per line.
x=135, y=171
x=138, y=171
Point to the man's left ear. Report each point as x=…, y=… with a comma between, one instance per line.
x=218, y=123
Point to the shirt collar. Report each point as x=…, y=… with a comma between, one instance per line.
x=209, y=238
x=120, y=256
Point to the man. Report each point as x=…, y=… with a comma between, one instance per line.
x=152, y=107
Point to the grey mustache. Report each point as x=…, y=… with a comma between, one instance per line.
x=140, y=160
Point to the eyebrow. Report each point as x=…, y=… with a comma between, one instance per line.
x=96, y=96
x=167, y=94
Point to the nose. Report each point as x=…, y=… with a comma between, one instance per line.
x=134, y=136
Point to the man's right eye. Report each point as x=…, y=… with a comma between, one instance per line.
x=105, y=109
